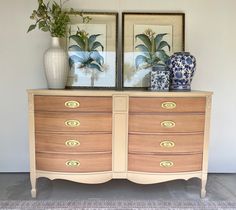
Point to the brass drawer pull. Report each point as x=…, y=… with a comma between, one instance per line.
x=72, y=104
x=168, y=124
x=72, y=123
x=168, y=105
x=166, y=164
x=72, y=143
x=72, y=163
x=167, y=144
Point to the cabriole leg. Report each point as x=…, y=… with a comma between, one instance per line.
x=203, y=187
x=33, y=185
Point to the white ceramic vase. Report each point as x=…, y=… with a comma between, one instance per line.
x=56, y=65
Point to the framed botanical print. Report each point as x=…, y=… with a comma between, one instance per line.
x=92, y=50
x=149, y=39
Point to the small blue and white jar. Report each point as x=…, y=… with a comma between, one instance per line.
x=182, y=66
x=160, y=78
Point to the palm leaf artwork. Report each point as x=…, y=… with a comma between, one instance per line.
x=152, y=49
x=85, y=55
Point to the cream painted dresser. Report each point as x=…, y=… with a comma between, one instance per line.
x=95, y=136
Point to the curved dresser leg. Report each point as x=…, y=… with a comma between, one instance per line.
x=33, y=185
x=203, y=189
x=33, y=193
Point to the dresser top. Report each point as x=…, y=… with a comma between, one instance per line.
x=138, y=93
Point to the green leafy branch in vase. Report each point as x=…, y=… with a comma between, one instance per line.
x=85, y=53
x=152, y=48
x=50, y=17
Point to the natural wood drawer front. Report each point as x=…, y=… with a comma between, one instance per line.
x=57, y=121
x=166, y=143
x=73, y=163
x=165, y=163
x=166, y=123
x=78, y=104
x=150, y=105
x=70, y=143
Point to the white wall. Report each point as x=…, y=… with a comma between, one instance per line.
x=210, y=36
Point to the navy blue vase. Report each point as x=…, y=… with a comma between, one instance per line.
x=182, y=66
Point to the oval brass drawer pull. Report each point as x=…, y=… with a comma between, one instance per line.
x=168, y=105
x=167, y=144
x=72, y=123
x=166, y=164
x=72, y=163
x=72, y=143
x=72, y=104
x=168, y=124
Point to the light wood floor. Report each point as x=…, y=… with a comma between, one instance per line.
x=17, y=187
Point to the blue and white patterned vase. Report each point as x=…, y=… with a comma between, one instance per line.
x=160, y=78
x=182, y=66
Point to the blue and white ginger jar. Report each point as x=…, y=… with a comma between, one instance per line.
x=160, y=76
x=182, y=66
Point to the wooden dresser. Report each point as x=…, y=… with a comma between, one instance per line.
x=95, y=136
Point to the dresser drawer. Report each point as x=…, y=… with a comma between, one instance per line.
x=165, y=163
x=152, y=105
x=59, y=121
x=70, y=143
x=166, y=143
x=145, y=123
x=73, y=163
x=72, y=103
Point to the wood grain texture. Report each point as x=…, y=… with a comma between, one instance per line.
x=152, y=123
x=88, y=163
x=53, y=142
x=87, y=104
x=55, y=121
x=151, y=143
x=153, y=105
x=151, y=163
